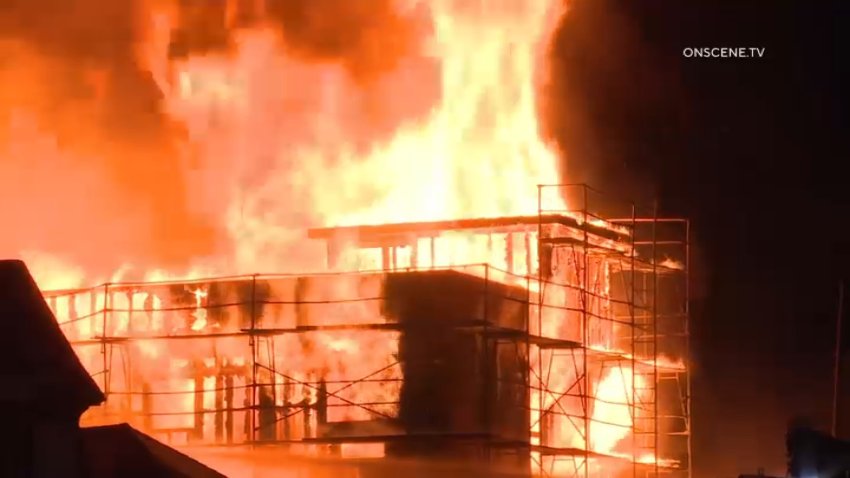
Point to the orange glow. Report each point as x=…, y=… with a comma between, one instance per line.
x=422, y=111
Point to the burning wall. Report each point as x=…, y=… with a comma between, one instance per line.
x=326, y=349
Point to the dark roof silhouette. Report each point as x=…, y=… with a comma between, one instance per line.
x=38, y=367
x=120, y=450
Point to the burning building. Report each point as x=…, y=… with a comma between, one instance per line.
x=558, y=347
x=386, y=157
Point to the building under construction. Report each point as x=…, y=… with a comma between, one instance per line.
x=554, y=344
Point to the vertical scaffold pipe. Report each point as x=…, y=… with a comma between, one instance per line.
x=655, y=335
x=586, y=393
x=687, y=325
x=103, y=340
x=252, y=343
x=633, y=329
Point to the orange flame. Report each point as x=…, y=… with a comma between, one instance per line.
x=277, y=141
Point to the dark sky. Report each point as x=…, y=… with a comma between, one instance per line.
x=752, y=150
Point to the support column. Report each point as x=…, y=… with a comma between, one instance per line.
x=229, y=405
x=147, y=408
x=220, y=390
x=198, y=430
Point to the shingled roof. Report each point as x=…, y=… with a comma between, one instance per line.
x=38, y=367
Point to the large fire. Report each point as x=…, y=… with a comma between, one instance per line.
x=305, y=114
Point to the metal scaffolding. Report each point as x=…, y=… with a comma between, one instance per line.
x=647, y=297
x=515, y=361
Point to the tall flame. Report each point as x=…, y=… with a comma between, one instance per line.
x=279, y=138
x=276, y=141
x=474, y=151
